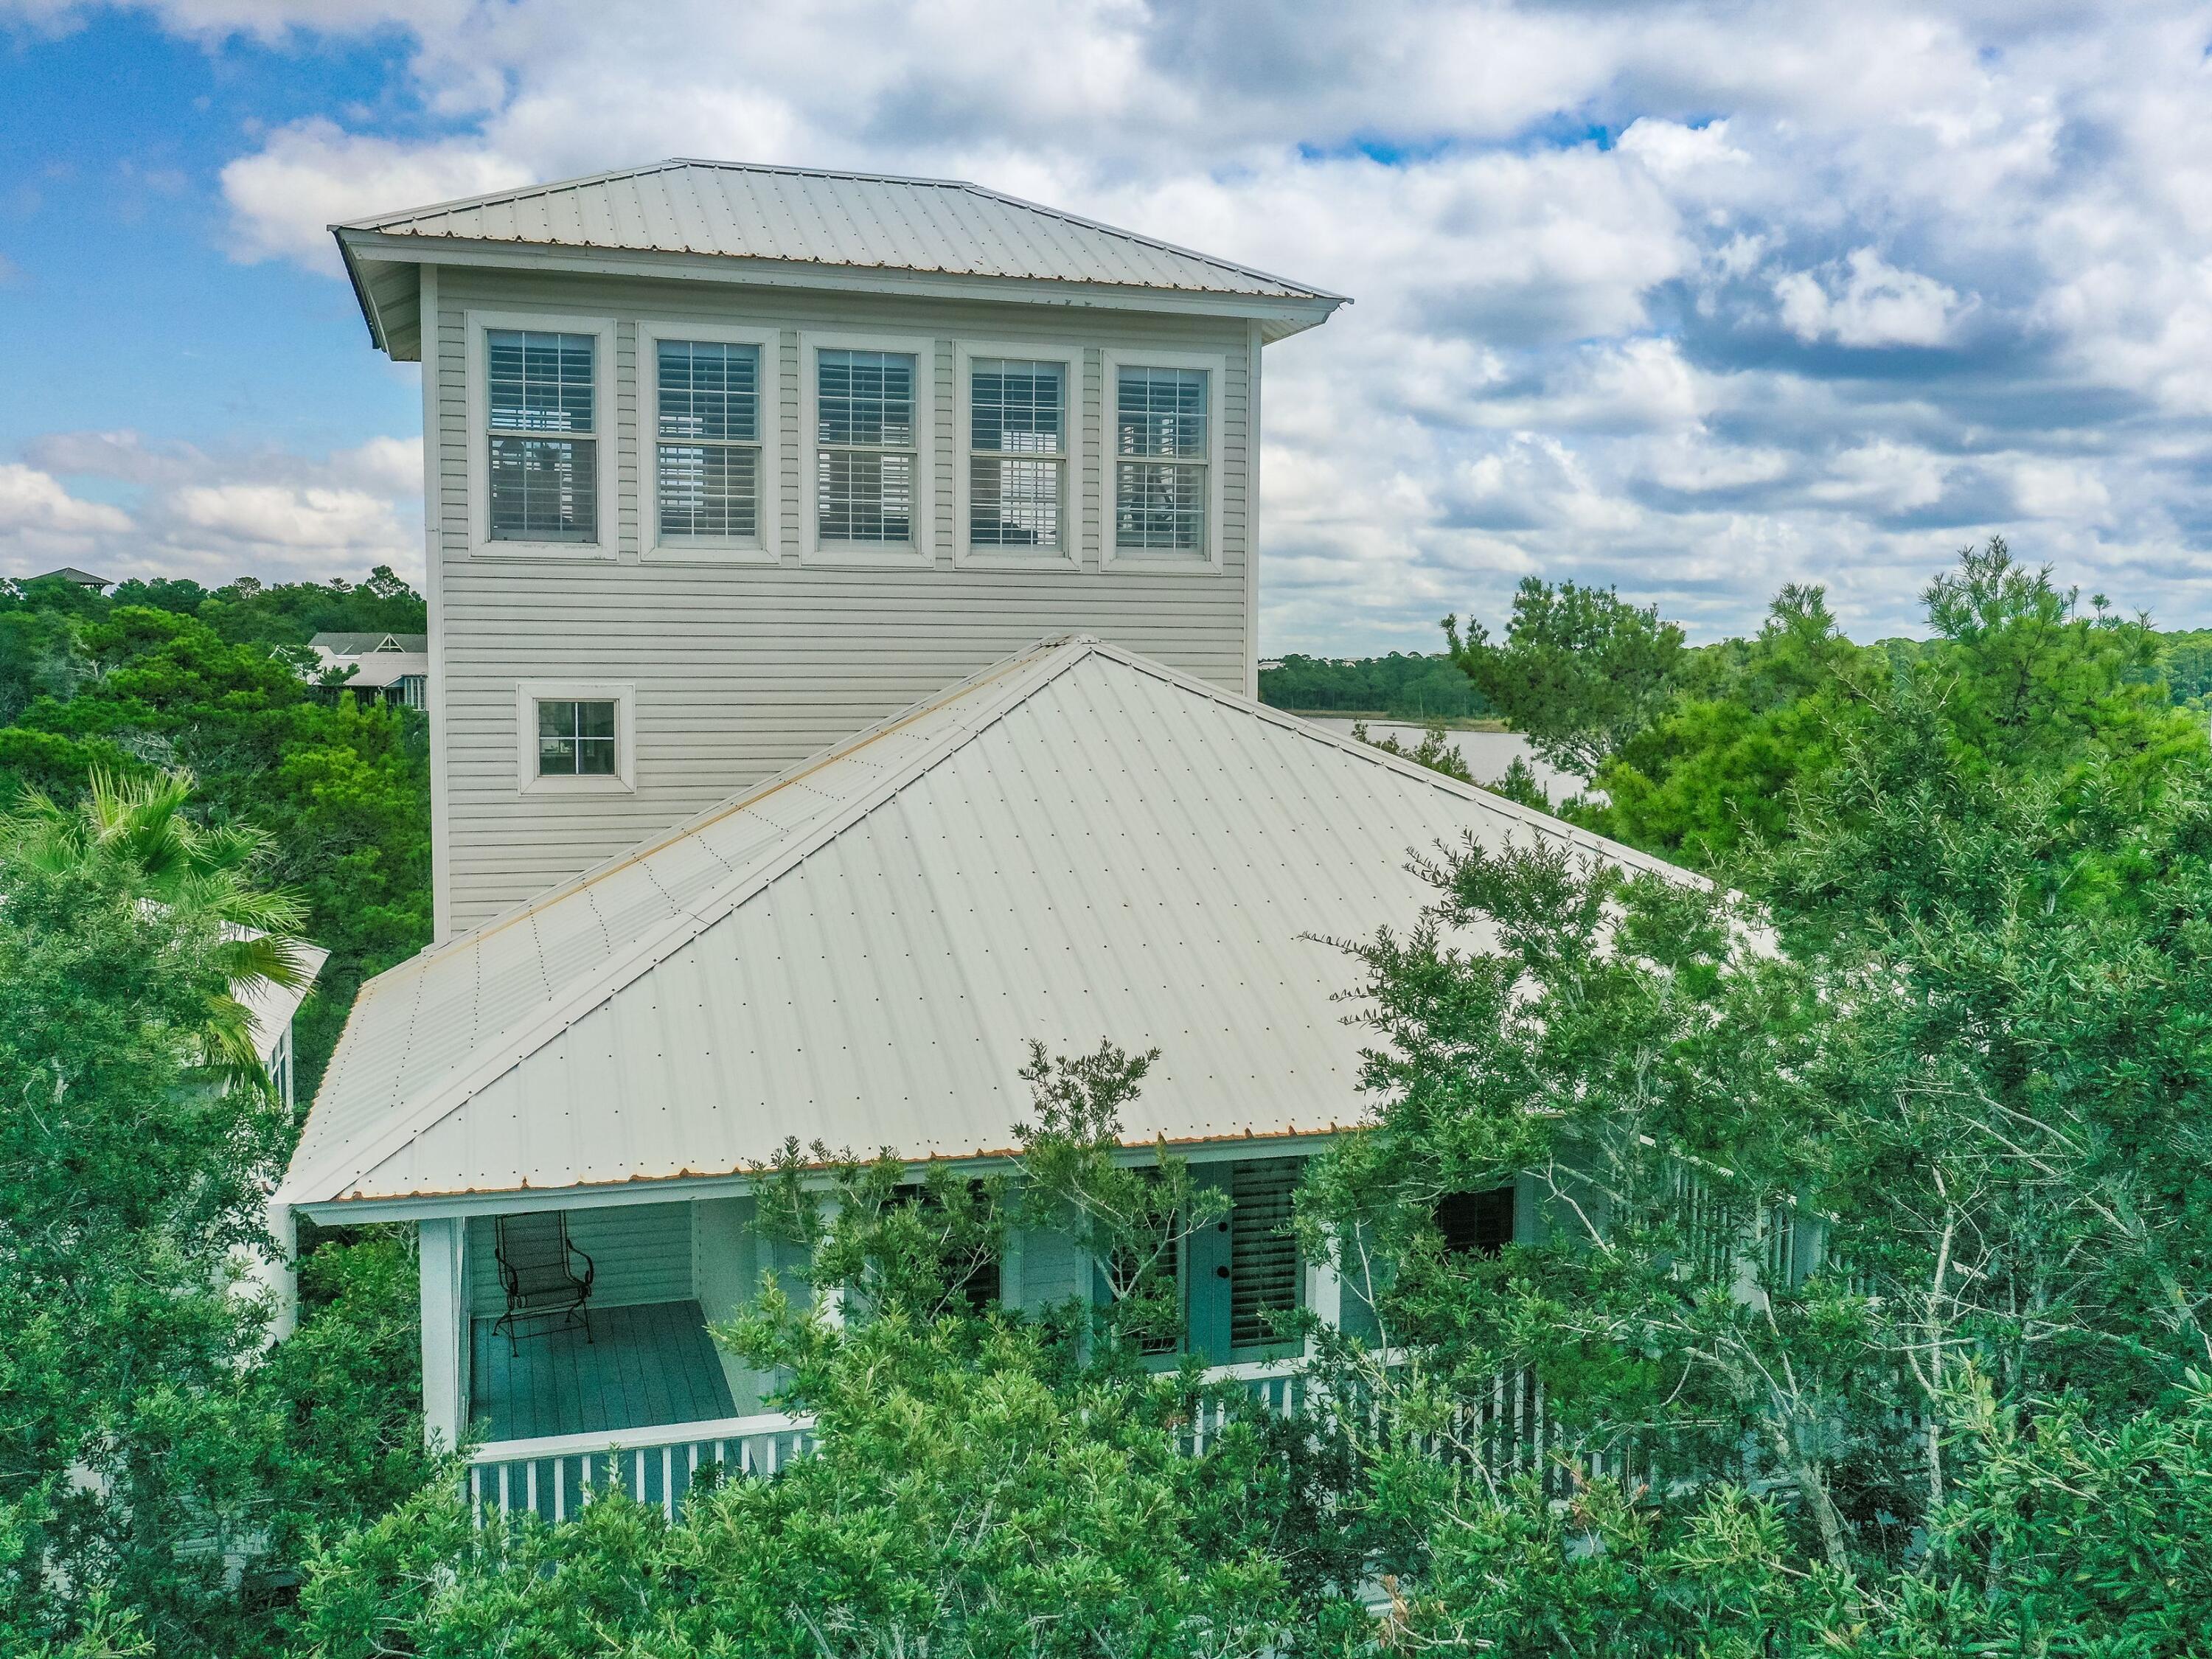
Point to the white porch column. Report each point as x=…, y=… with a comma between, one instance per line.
x=283, y=1272
x=1325, y=1294
x=444, y=1303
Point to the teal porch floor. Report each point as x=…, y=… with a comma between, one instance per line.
x=645, y=1365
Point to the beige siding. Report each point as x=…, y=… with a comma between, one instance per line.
x=742, y=669
x=640, y=1253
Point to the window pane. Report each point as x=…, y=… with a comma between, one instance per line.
x=1012, y=502
x=540, y=382
x=709, y=389
x=708, y=489
x=863, y=497
x=1159, y=506
x=576, y=739
x=544, y=490
x=1263, y=1259
x=1161, y=411
x=1016, y=407
x=864, y=398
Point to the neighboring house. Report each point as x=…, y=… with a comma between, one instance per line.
x=76, y=578
x=394, y=667
x=841, y=659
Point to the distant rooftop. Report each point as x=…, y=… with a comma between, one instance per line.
x=69, y=573
x=801, y=215
x=354, y=645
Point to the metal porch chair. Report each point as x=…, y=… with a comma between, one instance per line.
x=537, y=1266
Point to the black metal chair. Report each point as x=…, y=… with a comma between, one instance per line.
x=537, y=1266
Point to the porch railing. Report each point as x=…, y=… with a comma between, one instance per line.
x=553, y=1477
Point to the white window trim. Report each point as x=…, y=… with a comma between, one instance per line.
x=920, y=553
x=528, y=694
x=766, y=547
x=606, y=433
x=1069, y=555
x=1209, y=560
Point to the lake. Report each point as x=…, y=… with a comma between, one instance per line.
x=1486, y=753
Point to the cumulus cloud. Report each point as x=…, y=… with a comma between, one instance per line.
x=183, y=511
x=1694, y=297
x=1869, y=303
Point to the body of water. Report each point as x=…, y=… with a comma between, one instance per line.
x=1486, y=753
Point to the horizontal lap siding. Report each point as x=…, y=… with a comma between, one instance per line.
x=743, y=669
x=639, y=1254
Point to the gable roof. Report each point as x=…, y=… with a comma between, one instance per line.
x=749, y=219
x=1076, y=844
x=355, y=644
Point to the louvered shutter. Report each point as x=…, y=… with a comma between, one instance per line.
x=1263, y=1258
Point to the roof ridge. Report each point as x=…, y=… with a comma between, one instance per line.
x=1045, y=662
x=512, y=193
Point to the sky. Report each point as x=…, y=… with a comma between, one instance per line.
x=1691, y=300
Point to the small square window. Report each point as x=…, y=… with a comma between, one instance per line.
x=576, y=738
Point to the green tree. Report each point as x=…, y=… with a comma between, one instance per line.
x=139, y=827
x=1580, y=671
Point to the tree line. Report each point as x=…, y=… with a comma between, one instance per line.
x=1866, y=1295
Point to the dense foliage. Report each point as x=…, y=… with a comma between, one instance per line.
x=1861, y=1264
x=1402, y=686
x=160, y=1476
x=165, y=675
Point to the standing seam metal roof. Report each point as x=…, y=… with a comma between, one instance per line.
x=1078, y=843
x=744, y=211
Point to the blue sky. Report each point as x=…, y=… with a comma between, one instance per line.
x=1694, y=299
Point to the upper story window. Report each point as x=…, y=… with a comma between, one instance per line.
x=707, y=446
x=576, y=738
x=867, y=451
x=543, y=419
x=1163, y=448
x=1018, y=442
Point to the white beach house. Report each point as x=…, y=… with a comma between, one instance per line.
x=841, y=669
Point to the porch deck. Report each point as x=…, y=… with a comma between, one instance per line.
x=649, y=1364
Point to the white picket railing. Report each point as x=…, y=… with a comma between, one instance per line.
x=554, y=1476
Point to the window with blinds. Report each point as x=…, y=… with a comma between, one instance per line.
x=543, y=408
x=1263, y=1258
x=1017, y=454
x=707, y=450
x=1162, y=447
x=864, y=446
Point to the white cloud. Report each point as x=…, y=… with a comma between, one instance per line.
x=1869, y=303
x=1572, y=232
x=309, y=177
x=214, y=515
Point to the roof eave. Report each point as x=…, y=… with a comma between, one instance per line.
x=341, y=233
x=1280, y=315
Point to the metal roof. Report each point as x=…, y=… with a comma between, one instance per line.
x=355, y=644
x=775, y=217
x=1077, y=844
x=742, y=210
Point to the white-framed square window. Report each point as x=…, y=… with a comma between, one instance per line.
x=542, y=440
x=709, y=418
x=1018, y=466
x=575, y=736
x=1162, y=417
x=867, y=445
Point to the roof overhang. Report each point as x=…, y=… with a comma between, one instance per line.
x=384, y=270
